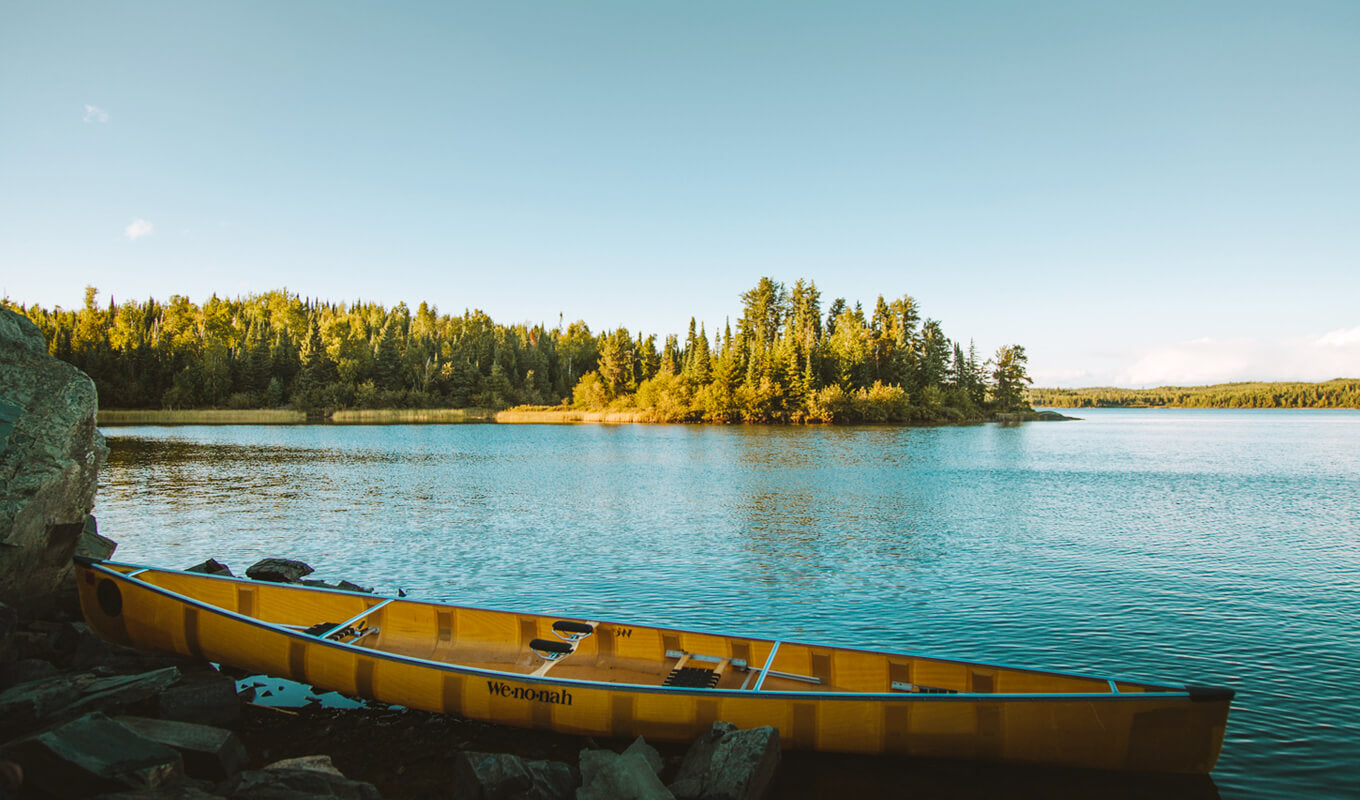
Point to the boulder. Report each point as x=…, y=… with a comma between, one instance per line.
x=291, y=784
x=278, y=570
x=50, y=455
x=62, y=697
x=24, y=706
x=179, y=790
x=209, y=753
x=632, y=775
x=207, y=698
x=9, y=622
x=728, y=764
x=502, y=776
x=92, y=755
x=320, y=763
x=211, y=567
x=26, y=670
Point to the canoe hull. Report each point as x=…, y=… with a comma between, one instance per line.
x=1153, y=732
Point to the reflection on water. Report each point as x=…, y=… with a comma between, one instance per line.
x=1214, y=547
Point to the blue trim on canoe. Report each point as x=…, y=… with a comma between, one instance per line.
x=101, y=566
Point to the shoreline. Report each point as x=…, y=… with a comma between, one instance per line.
x=469, y=416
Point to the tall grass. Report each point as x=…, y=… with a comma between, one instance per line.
x=202, y=416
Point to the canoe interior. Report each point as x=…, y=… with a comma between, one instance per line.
x=622, y=654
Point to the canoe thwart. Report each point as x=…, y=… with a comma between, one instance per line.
x=737, y=663
x=903, y=686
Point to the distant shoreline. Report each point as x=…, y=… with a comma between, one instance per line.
x=1337, y=393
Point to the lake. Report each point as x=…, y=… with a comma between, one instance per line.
x=1218, y=547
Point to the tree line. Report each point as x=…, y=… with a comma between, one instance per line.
x=1338, y=393
x=787, y=361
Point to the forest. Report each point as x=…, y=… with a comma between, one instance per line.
x=786, y=361
x=1338, y=393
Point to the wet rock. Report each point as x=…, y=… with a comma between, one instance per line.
x=26, y=670
x=92, y=755
x=211, y=567
x=354, y=587
x=207, y=698
x=314, y=763
x=119, y=692
x=728, y=764
x=58, y=640
x=648, y=753
x=502, y=776
x=179, y=790
x=290, y=784
x=9, y=622
x=606, y=775
x=209, y=753
x=49, y=462
x=278, y=570
x=24, y=706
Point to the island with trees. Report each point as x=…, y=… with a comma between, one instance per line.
x=786, y=360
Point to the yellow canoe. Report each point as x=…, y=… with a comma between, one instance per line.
x=599, y=678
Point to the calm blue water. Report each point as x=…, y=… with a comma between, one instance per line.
x=1218, y=547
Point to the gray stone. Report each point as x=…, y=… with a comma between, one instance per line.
x=26, y=670
x=9, y=622
x=354, y=587
x=502, y=776
x=606, y=775
x=648, y=754
x=209, y=753
x=91, y=755
x=728, y=764
x=314, y=763
x=211, y=567
x=23, y=706
x=49, y=466
x=119, y=692
x=179, y=790
x=278, y=570
x=207, y=698
x=290, y=784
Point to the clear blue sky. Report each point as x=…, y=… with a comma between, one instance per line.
x=1137, y=192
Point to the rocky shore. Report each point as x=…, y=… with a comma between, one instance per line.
x=80, y=717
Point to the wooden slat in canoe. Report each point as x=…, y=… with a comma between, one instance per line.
x=478, y=663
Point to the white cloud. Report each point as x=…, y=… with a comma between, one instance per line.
x=95, y=114
x=137, y=229
x=1335, y=354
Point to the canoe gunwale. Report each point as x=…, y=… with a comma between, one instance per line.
x=443, y=666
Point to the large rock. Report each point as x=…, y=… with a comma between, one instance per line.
x=278, y=570
x=91, y=755
x=292, y=784
x=630, y=775
x=728, y=764
x=27, y=706
x=50, y=454
x=502, y=776
x=207, y=697
x=209, y=753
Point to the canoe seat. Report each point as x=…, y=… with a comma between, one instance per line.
x=685, y=676
x=549, y=650
x=692, y=677
x=572, y=631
